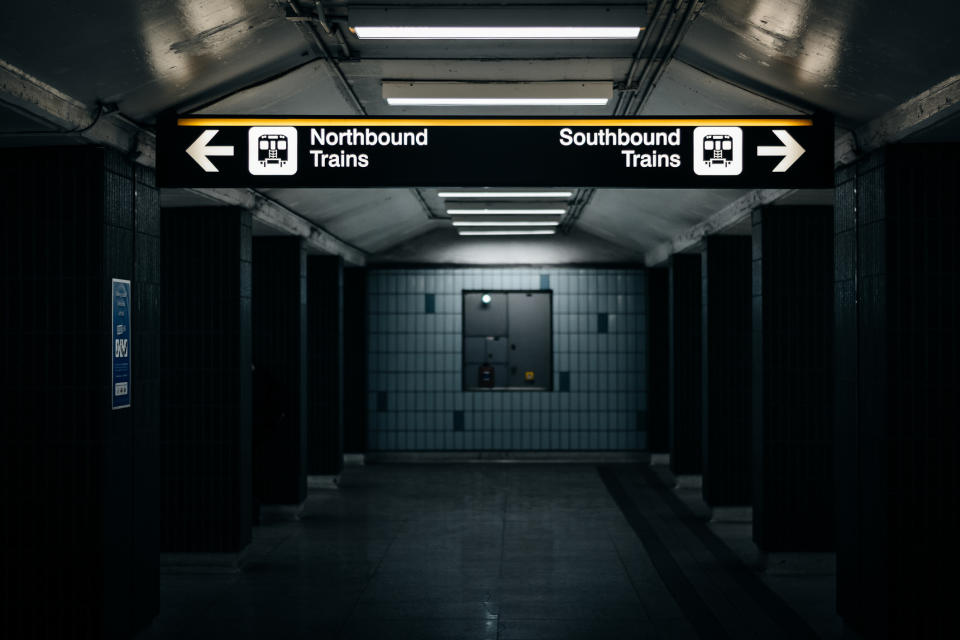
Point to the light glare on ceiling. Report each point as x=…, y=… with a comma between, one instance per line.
x=428, y=93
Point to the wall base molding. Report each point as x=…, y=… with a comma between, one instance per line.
x=741, y=514
x=203, y=562
x=689, y=482
x=354, y=459
x=323, y=482
x=280, y=512
x=659, y=459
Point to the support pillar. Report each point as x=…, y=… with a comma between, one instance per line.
x=897, y=299
x=658, y=361
x=280, y=372
x=325, y=365
x=79, y=548
x=793, y=482
x=685, y=365
x=205, y=443
x=355, y=360
x=726, y=371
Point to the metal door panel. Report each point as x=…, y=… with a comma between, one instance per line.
x=529, y=326
x=484, y=319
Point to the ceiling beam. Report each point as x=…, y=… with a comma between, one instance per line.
x=273, y=214
x=31, y=95
x=314, y=39
x=924, y=110
x=731, y=214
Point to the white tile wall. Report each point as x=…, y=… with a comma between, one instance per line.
x=415, y=358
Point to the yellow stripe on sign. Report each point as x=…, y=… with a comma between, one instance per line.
x=489, y=122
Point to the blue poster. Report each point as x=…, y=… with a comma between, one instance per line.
x=121, y=343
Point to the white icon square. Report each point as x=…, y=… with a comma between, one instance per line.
x=717, y=151
x=272, y=151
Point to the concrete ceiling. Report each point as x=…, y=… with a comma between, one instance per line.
x=852, y=58
x=760, y=57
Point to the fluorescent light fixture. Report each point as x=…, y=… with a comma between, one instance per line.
x=517, y=232
x=497, y=212
x=497, y=93
x=511, y=223
x=497, y=102
x=495, y=33
x=500, y=22
x=505, y=194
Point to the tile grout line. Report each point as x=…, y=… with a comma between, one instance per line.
x=356, y=603
x=503, y=546
x=700, y=566
x=623, y=564
x=773, y=606
x=696, y=611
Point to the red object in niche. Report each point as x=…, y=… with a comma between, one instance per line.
x=485, y=376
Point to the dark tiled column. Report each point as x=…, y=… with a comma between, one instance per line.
x=685, y=365
x=280, y=371
x=658, y=361
x=355, y=360
x=726, y=370
x=206, y=380
x=78, y=550
x=147, y=384
x=325, y=365
x=793, y=482
x=897, y=301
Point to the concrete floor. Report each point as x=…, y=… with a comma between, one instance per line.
x=504, y=551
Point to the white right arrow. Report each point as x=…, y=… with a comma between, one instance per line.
x=199, y=151
x=791, y=151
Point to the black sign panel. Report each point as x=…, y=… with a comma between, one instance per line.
x=665, y=152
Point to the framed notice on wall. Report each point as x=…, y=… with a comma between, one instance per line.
x=120, y=349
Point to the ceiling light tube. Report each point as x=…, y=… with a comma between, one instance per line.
x=497, y=212
x=524, y=22
x=495, y=33
x=497, y=93
x=517, y=232
x=511, y=223
x=497, y=102
x=505, y=194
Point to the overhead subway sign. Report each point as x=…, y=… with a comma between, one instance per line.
x=662, y=152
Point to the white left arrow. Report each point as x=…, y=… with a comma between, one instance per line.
x=200, y=152
x=791, y=151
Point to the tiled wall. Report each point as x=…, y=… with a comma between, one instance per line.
x=415, y=400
